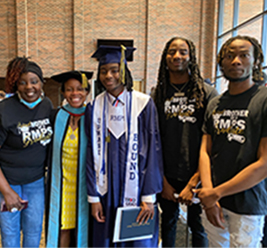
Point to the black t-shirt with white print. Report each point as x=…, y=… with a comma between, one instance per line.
x=24, y=136
x=180, y=127
x=236, y=124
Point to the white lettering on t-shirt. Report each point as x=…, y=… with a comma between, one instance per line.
x=36, y=131
x=181, y=108
x=231, y=122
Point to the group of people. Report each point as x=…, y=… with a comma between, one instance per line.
x=127, y=149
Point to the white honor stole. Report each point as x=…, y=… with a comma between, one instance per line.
x=135, y=103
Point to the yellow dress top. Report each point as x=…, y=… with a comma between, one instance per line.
x=69, y=168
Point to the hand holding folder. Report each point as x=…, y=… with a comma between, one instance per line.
x=127, y=229
x=146, y=212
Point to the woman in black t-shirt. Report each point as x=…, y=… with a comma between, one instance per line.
x=25, y=131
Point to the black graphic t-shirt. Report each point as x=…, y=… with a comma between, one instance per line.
x=236, y=124
x=180, y=127
x=24, y=135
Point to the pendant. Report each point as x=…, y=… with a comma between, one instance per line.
x=179, y=94
x=108, y=139
x=72, y=136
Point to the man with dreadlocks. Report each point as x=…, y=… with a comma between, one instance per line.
x=25, y=132
x=124, y=164
x=233, y=155
x=181, y=99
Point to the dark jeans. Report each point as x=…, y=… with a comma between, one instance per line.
x=170, y=217
x=264, y=239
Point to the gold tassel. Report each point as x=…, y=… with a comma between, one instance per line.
x=122, y=65
x=84, y=81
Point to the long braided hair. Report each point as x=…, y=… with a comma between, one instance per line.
x=257, y=74
x=128, y=81
x=196, y=84
x=15, y=68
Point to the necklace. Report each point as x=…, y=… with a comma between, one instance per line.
x=72, y=136
x=180, y=92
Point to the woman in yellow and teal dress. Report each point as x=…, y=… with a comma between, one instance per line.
x=67, y=220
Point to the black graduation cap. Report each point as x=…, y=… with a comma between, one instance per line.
x=81, y=76
x=112, y=54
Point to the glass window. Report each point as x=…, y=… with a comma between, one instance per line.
x=228, y=15
x=225, y=38
x=265, y=77
x=252, y=29
x=248, y=8
x=248, y=18
x=221, y=84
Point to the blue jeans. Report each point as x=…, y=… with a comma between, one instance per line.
x=28, y=220
x=170, y=215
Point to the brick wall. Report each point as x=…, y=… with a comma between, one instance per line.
x=8, y=37
x=61, y=35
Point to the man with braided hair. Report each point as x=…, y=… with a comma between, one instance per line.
x=233, y=155
x=181, y=98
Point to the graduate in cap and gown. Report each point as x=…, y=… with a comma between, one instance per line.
x=124, y=162
x=68, y=209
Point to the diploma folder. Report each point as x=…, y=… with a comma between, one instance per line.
x=127, y=229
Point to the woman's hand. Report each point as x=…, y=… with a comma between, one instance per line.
x=97, y=212
x=146, y=213
x=12, y=200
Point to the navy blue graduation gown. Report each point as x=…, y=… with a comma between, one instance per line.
x=150, y=175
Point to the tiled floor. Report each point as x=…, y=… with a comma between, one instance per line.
x=181, y=236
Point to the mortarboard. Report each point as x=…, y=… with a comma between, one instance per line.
x=111, y=54
x=81, y=76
